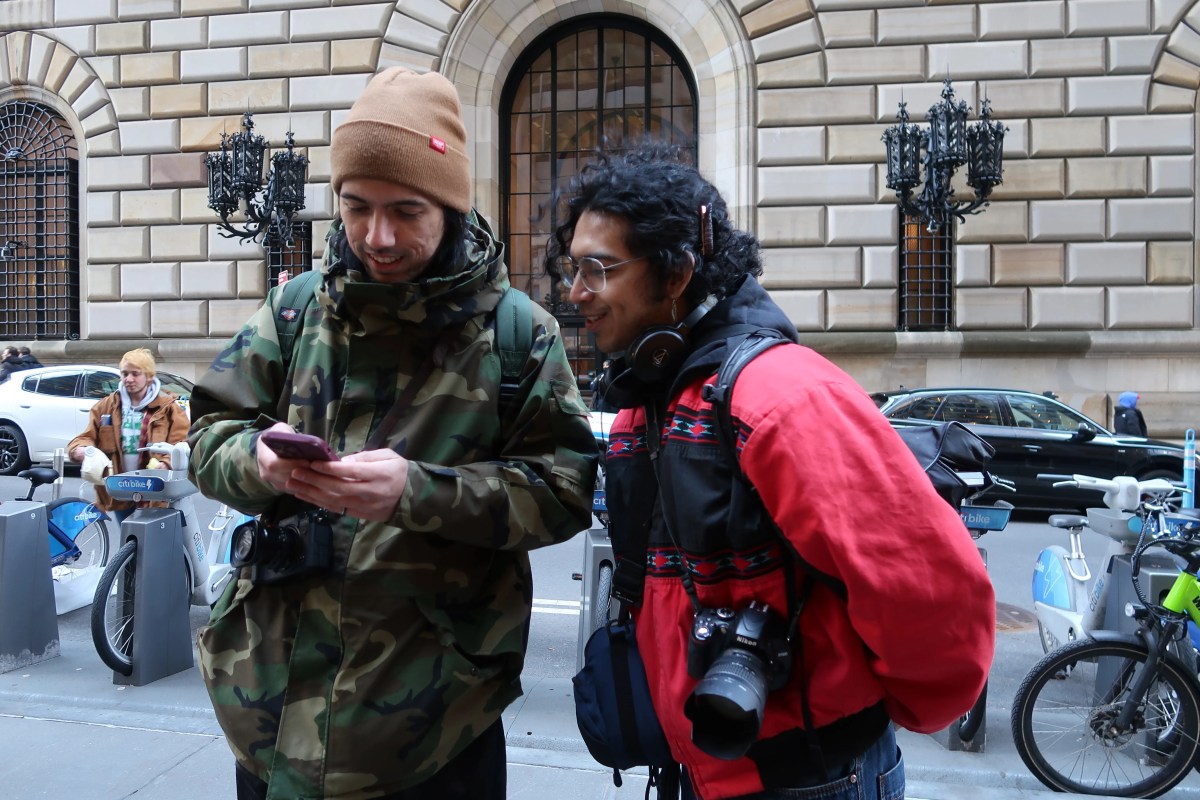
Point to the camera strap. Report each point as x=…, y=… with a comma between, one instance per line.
x=654, y=444
x=798, y=596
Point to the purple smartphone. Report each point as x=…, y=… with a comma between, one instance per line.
x=301, y=446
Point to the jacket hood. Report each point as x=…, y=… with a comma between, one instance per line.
x=747, y=309
x=1128, y=399
x=435, y=301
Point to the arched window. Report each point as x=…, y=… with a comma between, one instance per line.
x=593, y=81
x=39, y=239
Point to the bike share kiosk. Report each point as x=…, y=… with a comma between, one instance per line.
x=162, y=639
x=969, y=734
x=28, y=619
x=1157, y=571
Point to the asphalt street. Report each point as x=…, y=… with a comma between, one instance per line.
x=67, y=730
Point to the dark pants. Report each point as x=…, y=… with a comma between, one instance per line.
x=478, y=773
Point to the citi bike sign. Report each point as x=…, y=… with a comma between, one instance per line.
x=134, y=483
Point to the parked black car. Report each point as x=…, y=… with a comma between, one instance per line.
x=1035, y=433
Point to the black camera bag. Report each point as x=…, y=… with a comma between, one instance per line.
x=945, y=449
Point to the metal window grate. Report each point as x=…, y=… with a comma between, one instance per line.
x=591, y=82
x=39, y=224
x=292, y=260
x=926, y=271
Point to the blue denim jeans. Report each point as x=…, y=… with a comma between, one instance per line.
x=877, y=774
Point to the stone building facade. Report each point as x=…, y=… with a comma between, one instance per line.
x=1080, y=277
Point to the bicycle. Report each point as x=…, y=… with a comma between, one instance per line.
x=1067, y=601
x=80, y=533
x=206, y=566
x=1125, y=721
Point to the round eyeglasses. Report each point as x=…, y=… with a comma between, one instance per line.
x=590, y=271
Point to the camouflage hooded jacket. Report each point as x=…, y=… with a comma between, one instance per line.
x=366, y=679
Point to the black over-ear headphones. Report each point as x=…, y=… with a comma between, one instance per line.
x=655, y=353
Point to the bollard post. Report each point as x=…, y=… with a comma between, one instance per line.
x=28, y=621
x=1189, y=468
x=162, y=640
x=60, y=460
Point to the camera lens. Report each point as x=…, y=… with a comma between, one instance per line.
x=726, y=708
x=245, y=544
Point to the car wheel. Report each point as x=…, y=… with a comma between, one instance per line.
x=14, y=454
x=1160, y=473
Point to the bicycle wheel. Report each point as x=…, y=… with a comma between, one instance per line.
x=968, y=723
x=1062, y=727
x=85, y=525
x=112, y=611
x=600, y=602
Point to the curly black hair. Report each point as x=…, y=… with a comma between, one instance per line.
x=660, y=197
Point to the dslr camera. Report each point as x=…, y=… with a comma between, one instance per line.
x=297, y=545
x=739, y=657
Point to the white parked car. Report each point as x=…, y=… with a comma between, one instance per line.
x=45, y=408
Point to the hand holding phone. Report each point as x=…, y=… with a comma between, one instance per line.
x=300, y=446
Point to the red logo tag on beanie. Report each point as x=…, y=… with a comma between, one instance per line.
x=437, y=144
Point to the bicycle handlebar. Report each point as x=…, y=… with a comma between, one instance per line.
x=1121, y=493
x=179, y=453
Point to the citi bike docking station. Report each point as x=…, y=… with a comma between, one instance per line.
x=1069, y=601
x=969, y=734
x=141, y=612
x=28, y=621
x=63, y=544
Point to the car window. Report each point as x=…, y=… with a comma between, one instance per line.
x=180, y=387
x=56, y=384
x=923, y=407
x=99, y=384
x=1043, y=414
x=972, y=409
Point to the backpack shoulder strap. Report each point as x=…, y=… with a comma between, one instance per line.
x=720, y=392
x=295, y=297
x=514, y=340
x=719, y=395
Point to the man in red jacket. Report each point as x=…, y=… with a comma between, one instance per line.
x=785, y=623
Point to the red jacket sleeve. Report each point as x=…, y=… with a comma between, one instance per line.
x=852, y=499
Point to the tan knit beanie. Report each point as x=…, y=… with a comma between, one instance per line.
x=406, y=128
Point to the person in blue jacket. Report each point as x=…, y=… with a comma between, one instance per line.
x=1127, y=417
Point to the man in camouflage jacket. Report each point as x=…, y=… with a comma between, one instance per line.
x=385, y=675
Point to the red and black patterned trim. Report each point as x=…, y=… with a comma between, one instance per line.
x=665, y=562
x=627, y=445
x=691, y=427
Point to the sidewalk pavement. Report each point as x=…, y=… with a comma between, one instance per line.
x=66, y=731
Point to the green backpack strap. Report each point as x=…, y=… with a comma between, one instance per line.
x=295, y=297
x=514, y=340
